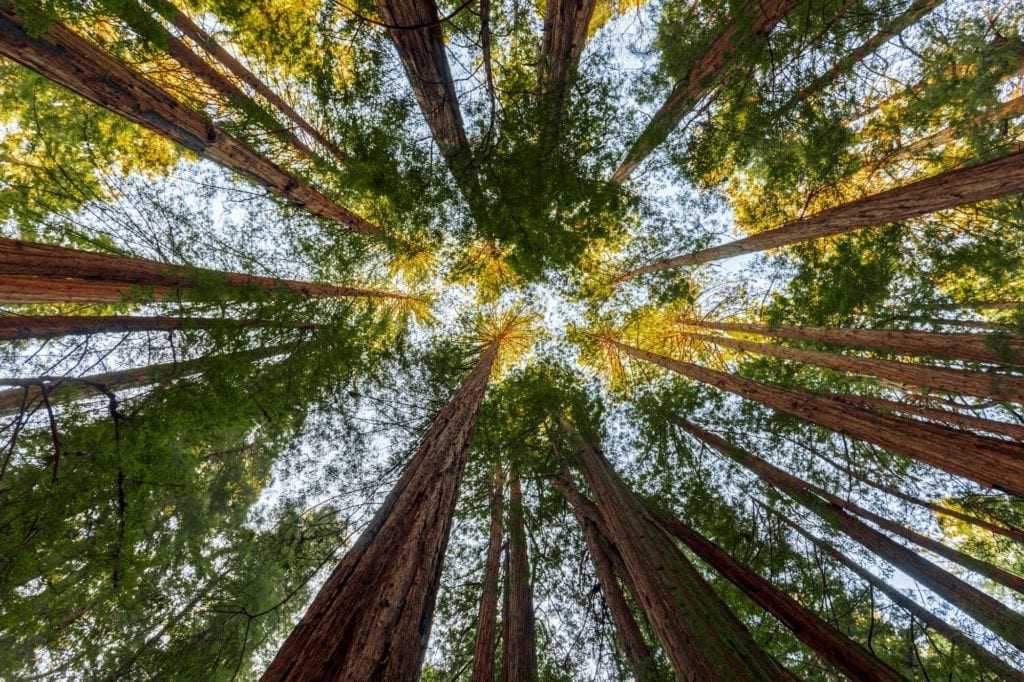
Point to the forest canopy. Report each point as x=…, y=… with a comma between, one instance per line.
x=534, y=341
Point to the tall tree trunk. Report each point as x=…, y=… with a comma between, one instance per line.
x=705, y=74
x=566, y=24
x=961, y=421
x=996, y=616
x=189, y=28
x=487, y=616
x=627, y=631
x=701, y=637
x=519, y=660
x=371, y=620
x=828, y=642
x=83, y=68
x=967, y=347
x=50, y=266
x=1001, y=387
x=967, y=185
x=1008, y=109
x=18, y=327
x=993, y=463
x=955, y=636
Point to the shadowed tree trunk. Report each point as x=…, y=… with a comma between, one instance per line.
x=83, y=68
x=955, y=636
x=956, y=381
x=705, y=74
x=962, y=421
x=990, y=180
x=996, y=616
x=967, y=347
x=832, y=645
x=993, y=463
x=189, y=28
x=566, y=23
x=519, y=660
x=13, y=327
x=487, y=616
x=627, y=631
x=371, y=620
x=701, y=637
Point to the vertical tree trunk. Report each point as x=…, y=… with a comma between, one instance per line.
x=991, y=613
x=706, y=73
x=19, y=327
x=832, y=645
x=990, y=180
x=487, y=616
x=371, y=619
x=699, y=634
x=519, y=662
x=566, y=23
x=627, y=631
x=993, y=463
x=80, y=66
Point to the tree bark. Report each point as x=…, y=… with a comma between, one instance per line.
x=961, y=421
x=967, y=185
x=1000, y=387
x=20, y=327
x=487, y=617
x=967, y=347
x=706, y=73
x=566, y=23
x=83, y=68
x=993, y=463
x=988, y=611
x=371, y=620
x=1002, y=111
x=519, y=660
x=189, y=28
x=828, y=642
x=701, y=637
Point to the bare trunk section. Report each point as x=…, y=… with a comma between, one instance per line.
x=566, y=23
x=705, y=74
x=19, y=327
x=487, y=617
x=990, y=180
x=189, y=28
x=83, y=68
x=371, y=620
x=993, y=463
x=988, y=611
x=627, y=631
x=832, y=645
x=699, y=634
x=519, y=660
x=1001, y=387
x=961, y=421
x=966, y=347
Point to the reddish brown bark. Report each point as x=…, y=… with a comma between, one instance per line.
x=961, y=421
x=990, y=180
x=701, y=637
x=704, y=75
x=967, y=347
x=83, y=68
x=993, y=463
x=988, y=611
x=519, y=659
x=957, y=381
x=371, y=619
x=566, y=24
x=828, y=642
x=487, y=616
x=53, y=326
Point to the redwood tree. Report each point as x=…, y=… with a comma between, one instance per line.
x=487, y=616
x=519, y=659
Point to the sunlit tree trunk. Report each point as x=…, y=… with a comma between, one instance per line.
x=706, y=73
x=83, y=68
x=371, y=620
x=994, y=615
x=701, y=637
x=993, y=463
x=487, y=616
x=519, y=660
x=832, y=645
x=990, y=180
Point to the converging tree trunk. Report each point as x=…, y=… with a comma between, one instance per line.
x=699, y=634
x=957, y=419
x=487, y=616
x=996, y=616
x=967, y=185
x=519, y=662
x=19, y=327
x=566, y=23
x=993, y=463
x=371, y=620
x=83, y=68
